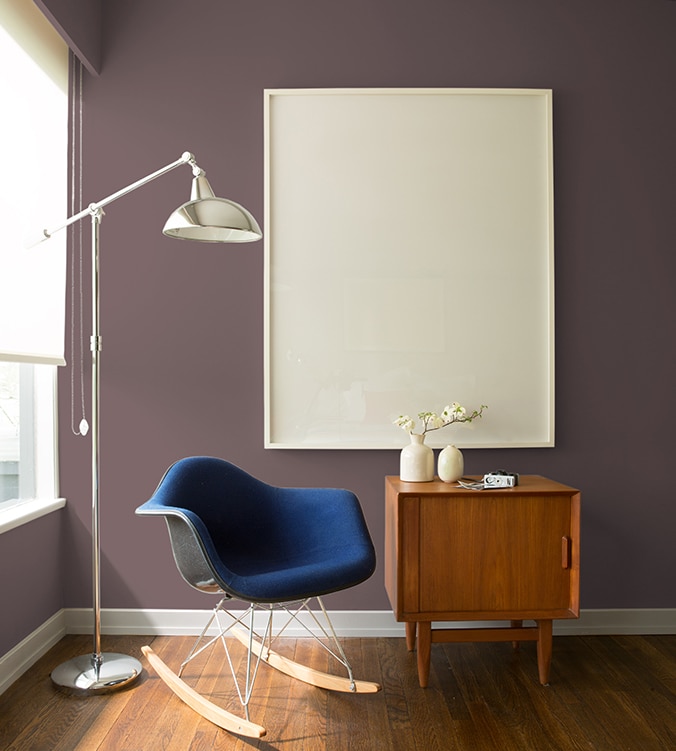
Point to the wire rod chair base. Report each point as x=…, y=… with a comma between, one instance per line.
x=258, y=650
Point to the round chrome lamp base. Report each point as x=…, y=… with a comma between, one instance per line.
x=97, y=674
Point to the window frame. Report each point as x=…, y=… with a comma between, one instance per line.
x=38, y=417
x=38, y=450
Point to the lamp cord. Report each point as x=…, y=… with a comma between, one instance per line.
x=76, y=290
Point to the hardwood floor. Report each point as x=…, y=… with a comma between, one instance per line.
x=606, y=694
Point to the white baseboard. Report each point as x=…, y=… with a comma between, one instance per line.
x=360, y=623
x=616, y=622
x=352, y=623
x=15, y=663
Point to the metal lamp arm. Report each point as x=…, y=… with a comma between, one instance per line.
x=95, y=208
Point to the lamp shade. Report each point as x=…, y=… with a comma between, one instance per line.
x=206, y=218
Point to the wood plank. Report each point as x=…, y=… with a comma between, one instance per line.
x=606, y=693
x=301, y=709
x=398, y=671
x=33, y=700
x=138, y=724
x=351, y=715
x=368, y=664
x=433, y=729
x=492, y=719
x=597, y=702
x=304, y=714
x=62, y=720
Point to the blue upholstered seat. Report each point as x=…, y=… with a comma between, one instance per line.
x=256, y=542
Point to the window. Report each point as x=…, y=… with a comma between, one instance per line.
x=9, y=432
x=27, y=433
x=33, y=132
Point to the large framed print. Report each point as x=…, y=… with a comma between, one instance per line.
x=409, y=263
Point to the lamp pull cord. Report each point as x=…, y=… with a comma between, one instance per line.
x=77, y=359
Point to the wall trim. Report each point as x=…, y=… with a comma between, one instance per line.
x=17, y=661
x=358, y=623
x=23, y=512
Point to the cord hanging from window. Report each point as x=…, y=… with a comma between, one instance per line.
x=76, y=289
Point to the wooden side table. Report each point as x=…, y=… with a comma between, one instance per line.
x=491, y=555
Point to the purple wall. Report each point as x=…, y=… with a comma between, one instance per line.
x=183, y=324
x=31, y=583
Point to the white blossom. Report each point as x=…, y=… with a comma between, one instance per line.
x=405, y=422
x=451, y=413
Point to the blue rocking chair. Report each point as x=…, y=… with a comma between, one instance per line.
x=276, y=549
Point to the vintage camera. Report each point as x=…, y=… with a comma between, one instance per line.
x=500, y=479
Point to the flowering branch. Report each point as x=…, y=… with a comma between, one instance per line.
x=452, y=413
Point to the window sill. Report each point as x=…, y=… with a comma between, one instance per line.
x=26, y=511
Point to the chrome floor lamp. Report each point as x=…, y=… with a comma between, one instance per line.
x=204, y=218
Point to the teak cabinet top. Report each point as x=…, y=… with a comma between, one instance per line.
x=528, y=485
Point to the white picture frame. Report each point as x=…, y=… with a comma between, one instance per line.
x=409, y=263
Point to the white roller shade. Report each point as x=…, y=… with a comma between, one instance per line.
x=33, y=185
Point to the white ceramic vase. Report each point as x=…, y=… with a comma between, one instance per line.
x=451, y=464
x=416, y=463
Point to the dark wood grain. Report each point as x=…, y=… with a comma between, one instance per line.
x=607, y=693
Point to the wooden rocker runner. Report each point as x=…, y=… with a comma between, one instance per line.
x=276, y=549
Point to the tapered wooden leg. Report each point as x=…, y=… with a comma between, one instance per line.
x=544, y=650
x=516, y=624
x=410, y=635
x=424, y=652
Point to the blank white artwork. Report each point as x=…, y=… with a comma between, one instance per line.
x=408, y=264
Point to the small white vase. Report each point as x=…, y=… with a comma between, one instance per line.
x=416, y=463
x=451, y=464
